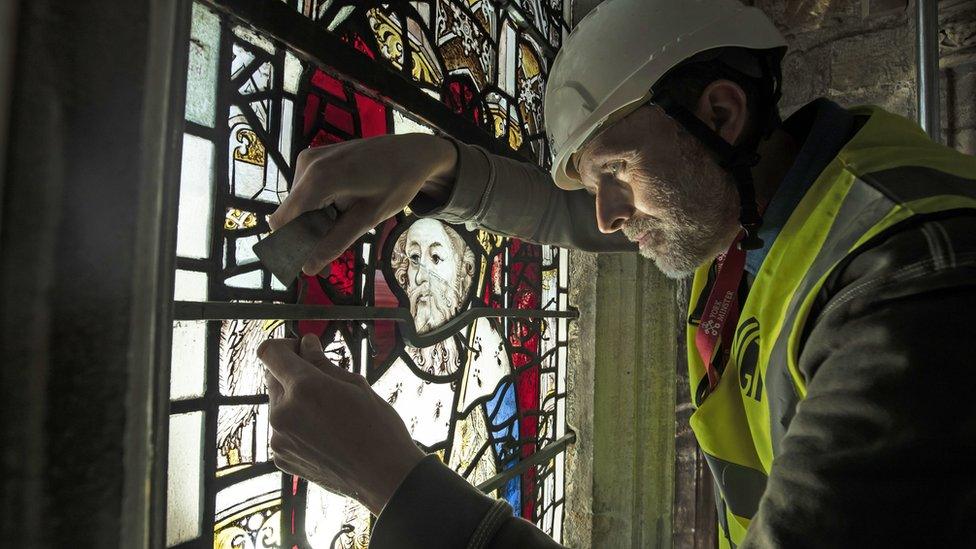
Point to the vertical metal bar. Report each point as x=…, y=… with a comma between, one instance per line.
x=927, y=57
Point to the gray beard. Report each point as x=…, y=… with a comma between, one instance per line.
x=701, y=203
x=436, y=310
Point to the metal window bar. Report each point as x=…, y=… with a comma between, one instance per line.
x=927, y=60
x=209, y=310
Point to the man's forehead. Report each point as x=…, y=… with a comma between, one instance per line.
x=427, y=231
x=620, y=134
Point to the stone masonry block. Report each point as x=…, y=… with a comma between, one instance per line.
x=964, y=141
x=807, y=15
x=881, y=58
x=806, y=75
x=960, y=96
x=873, y=8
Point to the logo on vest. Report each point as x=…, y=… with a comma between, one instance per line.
x=746, y=356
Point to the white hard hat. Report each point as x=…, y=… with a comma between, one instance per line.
x=622, y=48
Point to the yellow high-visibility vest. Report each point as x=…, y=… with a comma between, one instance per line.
x=887, y=173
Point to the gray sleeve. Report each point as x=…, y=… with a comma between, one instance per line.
x=881, y=451
x=513, y=198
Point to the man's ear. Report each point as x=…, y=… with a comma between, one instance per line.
x=724, y=107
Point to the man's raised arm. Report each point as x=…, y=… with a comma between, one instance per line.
x=519, y=199
x=370, y=180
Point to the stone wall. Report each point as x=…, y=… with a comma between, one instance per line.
x=863, y=52
x=578, y=518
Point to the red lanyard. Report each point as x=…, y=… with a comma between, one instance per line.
x=714, y=335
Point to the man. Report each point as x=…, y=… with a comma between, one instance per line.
x=834, y=257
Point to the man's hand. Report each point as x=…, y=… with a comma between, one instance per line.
x=368, y=180
x=330, y=428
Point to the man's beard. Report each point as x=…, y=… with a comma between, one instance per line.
x=698, y=203
x=440, y=305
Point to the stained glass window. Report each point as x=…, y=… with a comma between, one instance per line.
x=489, y=398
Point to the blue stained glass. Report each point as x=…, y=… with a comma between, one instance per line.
x=501, y=409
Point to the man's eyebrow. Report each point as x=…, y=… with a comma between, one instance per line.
x=432, y=244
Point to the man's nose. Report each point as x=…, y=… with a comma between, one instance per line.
x=614, y=205
x=420, y=273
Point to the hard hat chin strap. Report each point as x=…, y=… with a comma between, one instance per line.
x=738, y=160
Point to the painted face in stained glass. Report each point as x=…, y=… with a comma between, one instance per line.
x=435, y=267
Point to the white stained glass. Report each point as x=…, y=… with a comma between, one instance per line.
x=293, y=74
x=188, y=359
x=254, y=39
x=470, y=436
x=242, y=58
x=196, y=182
x=190, y=286
x=243, y=435
x=244, y=250
x=259, y=81
x=201, y=79
x=487, y=364
x=240, y=372
x=183, y=485
x=250, y=280
x=507, y=55
x=332, y=520
x=402, y=124
x=424, y=407
x=275, y=187
x=240, y=494
x=284, y=142
x=277, y=285
x=248, y=178
x=557, y=527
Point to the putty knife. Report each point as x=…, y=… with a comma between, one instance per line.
x=284, y=251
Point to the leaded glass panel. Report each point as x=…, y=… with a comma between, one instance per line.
x=485, y=398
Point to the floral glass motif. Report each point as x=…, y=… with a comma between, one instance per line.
x=488, y=396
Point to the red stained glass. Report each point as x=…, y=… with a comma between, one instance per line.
x=524, y=275
x=463, y=98
x=328, y=84
x=372, y=116
x=314, y=295
x=339, y=118
x=311, y=111
x=342, y=274
x=360, y=44
x=323, y=138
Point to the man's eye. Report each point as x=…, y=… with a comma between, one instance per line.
x=435, y=258
x=616, y=166
x=415, y=258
